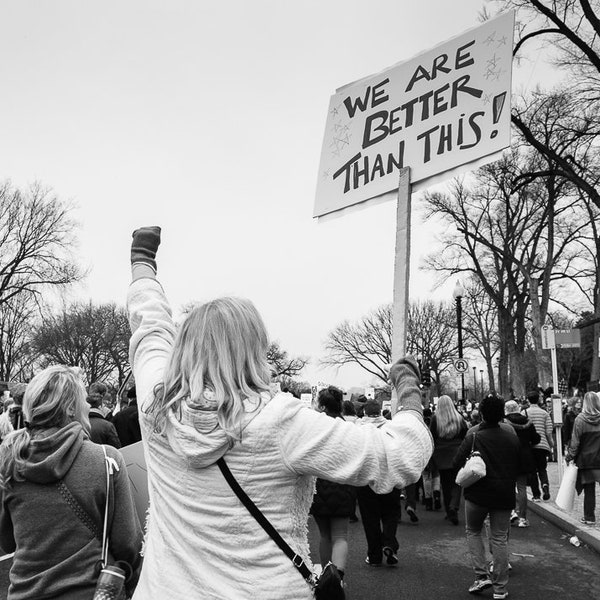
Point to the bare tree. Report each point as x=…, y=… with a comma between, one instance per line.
x=95, y=338
x=17, y=317
x=36, y=242
x=282, y=364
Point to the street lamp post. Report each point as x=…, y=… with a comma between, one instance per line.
x=474, y=383
x=458, y=294
x=481, y=373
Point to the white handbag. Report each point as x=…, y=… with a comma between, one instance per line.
x=474, y=468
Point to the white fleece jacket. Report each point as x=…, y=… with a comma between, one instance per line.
x=201, y=541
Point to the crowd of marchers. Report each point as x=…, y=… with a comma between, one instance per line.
x=236, y=466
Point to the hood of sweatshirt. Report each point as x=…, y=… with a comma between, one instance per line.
x=377, y=421
x=52, y=452
x=194, y=433
x=517, y=420
x=591, y=419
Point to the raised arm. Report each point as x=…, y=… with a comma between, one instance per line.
x=152, y=328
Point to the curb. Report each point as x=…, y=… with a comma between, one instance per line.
x=549, y=511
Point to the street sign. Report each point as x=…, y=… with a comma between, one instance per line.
x=567, y=338
x=548, y=338
x=461, y=365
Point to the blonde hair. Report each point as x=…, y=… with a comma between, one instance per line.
x=53, y=398
x=591, y=404
x=221, y=346
x=448, y=420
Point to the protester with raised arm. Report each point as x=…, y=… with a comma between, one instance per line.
x=204, y=393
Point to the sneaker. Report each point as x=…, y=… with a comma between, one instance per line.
x=412, y=514
x=523, y=523
x=372, y=564
x=586, y=521
x=536, y=499
x=546, y=490
x=500, y=595
x=391, y=558
x=513, y=516
x=480, y=584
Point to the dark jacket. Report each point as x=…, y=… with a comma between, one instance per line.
x=585, y=442
x=528, y=437
x=127, y=424
x=103, y=431
x=567, y=428
x=333, y=499
x=501, y=451
x=445, y=448
x=53, y=520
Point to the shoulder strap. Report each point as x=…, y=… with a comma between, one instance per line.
x=296, y=559
x=473, y=443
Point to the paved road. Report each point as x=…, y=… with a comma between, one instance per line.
x=434, y=564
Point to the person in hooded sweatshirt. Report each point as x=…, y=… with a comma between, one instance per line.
x=584, y=449
x=204, y=391
x=53, y=496
x=528, y=437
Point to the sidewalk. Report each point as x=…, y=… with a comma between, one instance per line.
x=569, y=522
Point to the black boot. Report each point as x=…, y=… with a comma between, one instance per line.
x=428, y=503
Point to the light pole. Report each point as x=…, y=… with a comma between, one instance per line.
x=481, y=373
x=474, y=383
x=458, y=294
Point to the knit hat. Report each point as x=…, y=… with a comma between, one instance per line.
x=511, y=407
x=372, y=408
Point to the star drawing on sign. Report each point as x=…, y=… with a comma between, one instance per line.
x=487, y=98
x=489, y=73
x=499, y=73
x=502, y=41
x=492, y=63
x=490, y=38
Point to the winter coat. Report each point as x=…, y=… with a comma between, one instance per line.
x=567, y=428
x=501, y=450
x=543, y=425
x=102, y=431
x=201, y=541
x=585, y=442
x=528, y=437
x=53, y=520
x=127, y=424
x=445, y=448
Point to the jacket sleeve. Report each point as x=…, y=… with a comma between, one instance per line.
x=112, y=438
x=574, y=444
x=125, y=532
x=393, y=455
x=153, y=334
x=463, y=451
x=7, y=536
x=549, y=431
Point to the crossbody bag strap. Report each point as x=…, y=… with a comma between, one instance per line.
x=473, y=442
x=296, y=559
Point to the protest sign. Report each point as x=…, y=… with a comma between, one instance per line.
x=138, y=477
x=438, y=112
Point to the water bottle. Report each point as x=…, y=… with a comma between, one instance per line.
x=110, y=583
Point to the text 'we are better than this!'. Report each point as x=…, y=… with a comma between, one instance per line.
x=435, y=113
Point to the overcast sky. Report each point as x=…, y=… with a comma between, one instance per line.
x=207, y=118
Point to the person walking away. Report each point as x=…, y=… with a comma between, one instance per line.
x=543, y=425
x=528, y=437
x=333, y=503
x=584, y=449
x=573, y=409
x=349, y=411
x=53, y=496
x=5, y=423
x=379, y=513
x=492, y=496
x=205, y=394
x=449, y=429
x=101, y=430
x=126, y=421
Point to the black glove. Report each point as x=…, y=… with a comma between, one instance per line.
x=405, y=377
x=144, y=245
